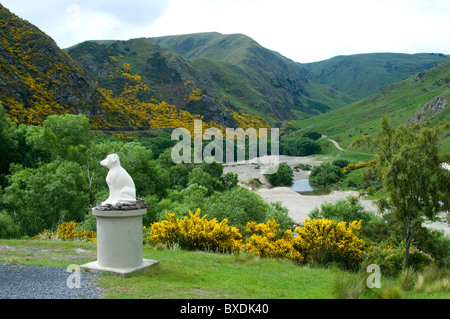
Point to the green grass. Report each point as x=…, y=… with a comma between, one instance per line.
x=205, y=275
x=330, y=153
x=186, y=274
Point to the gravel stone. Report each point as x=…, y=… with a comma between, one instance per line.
x=35, y=282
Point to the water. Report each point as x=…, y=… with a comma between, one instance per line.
x=303, y=187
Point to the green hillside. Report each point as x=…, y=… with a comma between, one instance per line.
x=424, y=96
x=254, y=77
x=37, y=78
x=362, y=75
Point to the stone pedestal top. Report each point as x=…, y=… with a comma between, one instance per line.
x=118, y=213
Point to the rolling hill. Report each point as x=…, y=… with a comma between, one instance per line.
x=361, y=75
x=423, y=96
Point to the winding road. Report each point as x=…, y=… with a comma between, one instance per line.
x=336, y=144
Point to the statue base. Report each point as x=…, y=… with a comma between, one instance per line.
x=119, y=242
x=94, y=267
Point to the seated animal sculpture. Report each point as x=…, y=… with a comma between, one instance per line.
x=120, y=183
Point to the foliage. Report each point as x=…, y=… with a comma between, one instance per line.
x=351, y=167
x=314, y=135
x=8, y=229
x=415, y=183
x=323, y=241
x=44, y=197
x=67, y=232
x=284, y=176
x=200, y=177
x=325, y=175
x=239, y=205
x=344, y=210
x=195, y=232
x=340, y=163
x=303, y=146
x=265, y=242
x=390, y=259
x=230, y=180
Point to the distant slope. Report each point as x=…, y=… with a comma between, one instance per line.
x=361, y=75
x=424, y=96
x=254, y=77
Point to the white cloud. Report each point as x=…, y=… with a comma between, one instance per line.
x=302, y=30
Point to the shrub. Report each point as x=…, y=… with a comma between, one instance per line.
x=325, y=175
x=8, y=229
x=67, y=232
x=350, y=167
x=284, y=176
x=390, y=259
x=318, y=241
x=195, y=232
x=341, y=163
x=265, y=242
x=202, y=178
x=239, y=205
x=46, y=196
x=303, y=146
x=323, y=241
x=344, y=210
x=314, y=135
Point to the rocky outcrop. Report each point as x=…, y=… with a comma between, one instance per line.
x=435, y=106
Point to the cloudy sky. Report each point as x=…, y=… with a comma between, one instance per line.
x=302, y=30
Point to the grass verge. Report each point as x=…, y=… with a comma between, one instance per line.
x=205, y=275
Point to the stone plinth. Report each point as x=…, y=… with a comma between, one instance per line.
x=119, y=242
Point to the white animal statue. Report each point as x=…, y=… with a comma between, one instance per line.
x=120, y=183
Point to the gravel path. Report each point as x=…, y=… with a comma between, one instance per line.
x=34, y=282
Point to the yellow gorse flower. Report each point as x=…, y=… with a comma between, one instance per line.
x=67, y=232
x=195, y=232
x=351, y=167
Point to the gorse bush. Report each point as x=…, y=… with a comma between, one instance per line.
x=265, y=242
x=323, y=241
x=67, y=231
x=318, y=241
x=195, y=232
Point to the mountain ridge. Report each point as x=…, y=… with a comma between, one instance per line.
x=361, y=75
x=225, y=80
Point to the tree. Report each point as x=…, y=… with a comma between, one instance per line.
x=303, y=146
x=66, y=137
x=284, y=176
x=42, y=198
x=325, y=175
x=202, y=178
x=314, y=135
x=415, y=181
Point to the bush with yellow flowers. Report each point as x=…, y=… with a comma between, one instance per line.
x=266, y=242
x=67, y=232
x=322, y=240
x=318, y=241
x=195, y=232
x=351, y=167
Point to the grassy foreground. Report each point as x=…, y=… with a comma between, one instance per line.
x=204, y=275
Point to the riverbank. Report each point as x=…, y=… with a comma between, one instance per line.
x=298, y=205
